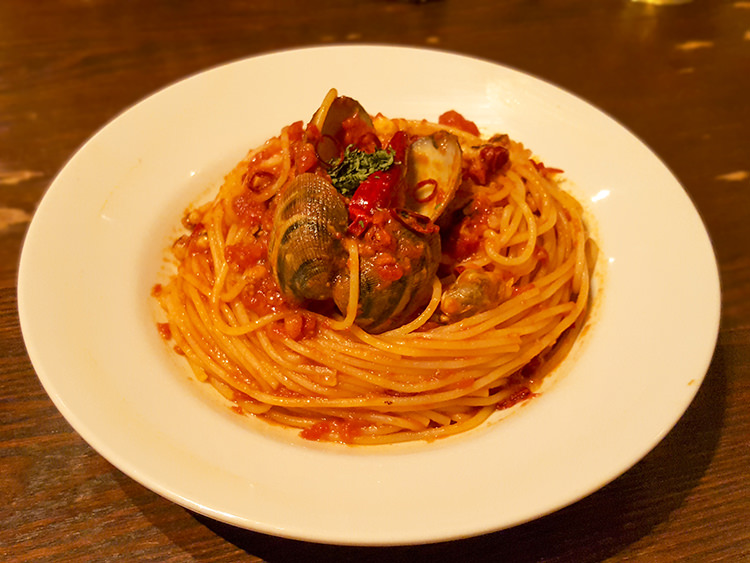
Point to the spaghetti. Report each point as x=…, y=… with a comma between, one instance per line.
x=480, y=261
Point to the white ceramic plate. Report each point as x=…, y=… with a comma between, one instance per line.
x=96, y=244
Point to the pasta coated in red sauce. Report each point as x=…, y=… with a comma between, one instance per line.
x=369, y=280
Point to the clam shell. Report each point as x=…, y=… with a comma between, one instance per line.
x=305, y=246
x=385, y=305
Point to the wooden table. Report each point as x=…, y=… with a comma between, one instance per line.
x=677, y=76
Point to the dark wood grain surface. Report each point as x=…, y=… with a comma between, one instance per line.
x=677, y=76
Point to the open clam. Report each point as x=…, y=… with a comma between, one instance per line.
x=329, y=119
x=387, y=301
x=433, y=173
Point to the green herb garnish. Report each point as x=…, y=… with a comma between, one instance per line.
x=356, y=165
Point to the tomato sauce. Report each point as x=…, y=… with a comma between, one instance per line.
x=304, y=157
x=248, y=211
x=464, y=239
x=454, y=119
x=297, y=326
x=339, y=430
x=164, y=331
x=246, y=255
x=263, y=296
x=516, y=397
x=492, y=159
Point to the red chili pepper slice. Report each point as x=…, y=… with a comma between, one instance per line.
x=376, y=191
x=399, y=143
x=414, y=221
x=425, y=190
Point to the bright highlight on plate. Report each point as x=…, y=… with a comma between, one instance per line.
x=92, y=339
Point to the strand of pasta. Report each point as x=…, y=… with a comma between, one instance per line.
x=424, y=316
x=353, y=301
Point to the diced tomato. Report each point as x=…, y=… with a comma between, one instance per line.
x=464, y=240
x=356, y=131
x=263, y=296
x=295, y=131
x=454, y=119
x=304, y=157
x=249, y=212
x=293, y=326
x=244, y=255
x=164, y=330
x=390, y=270
x=491, y=160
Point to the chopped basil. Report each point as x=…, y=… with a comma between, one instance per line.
x=356, y=165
